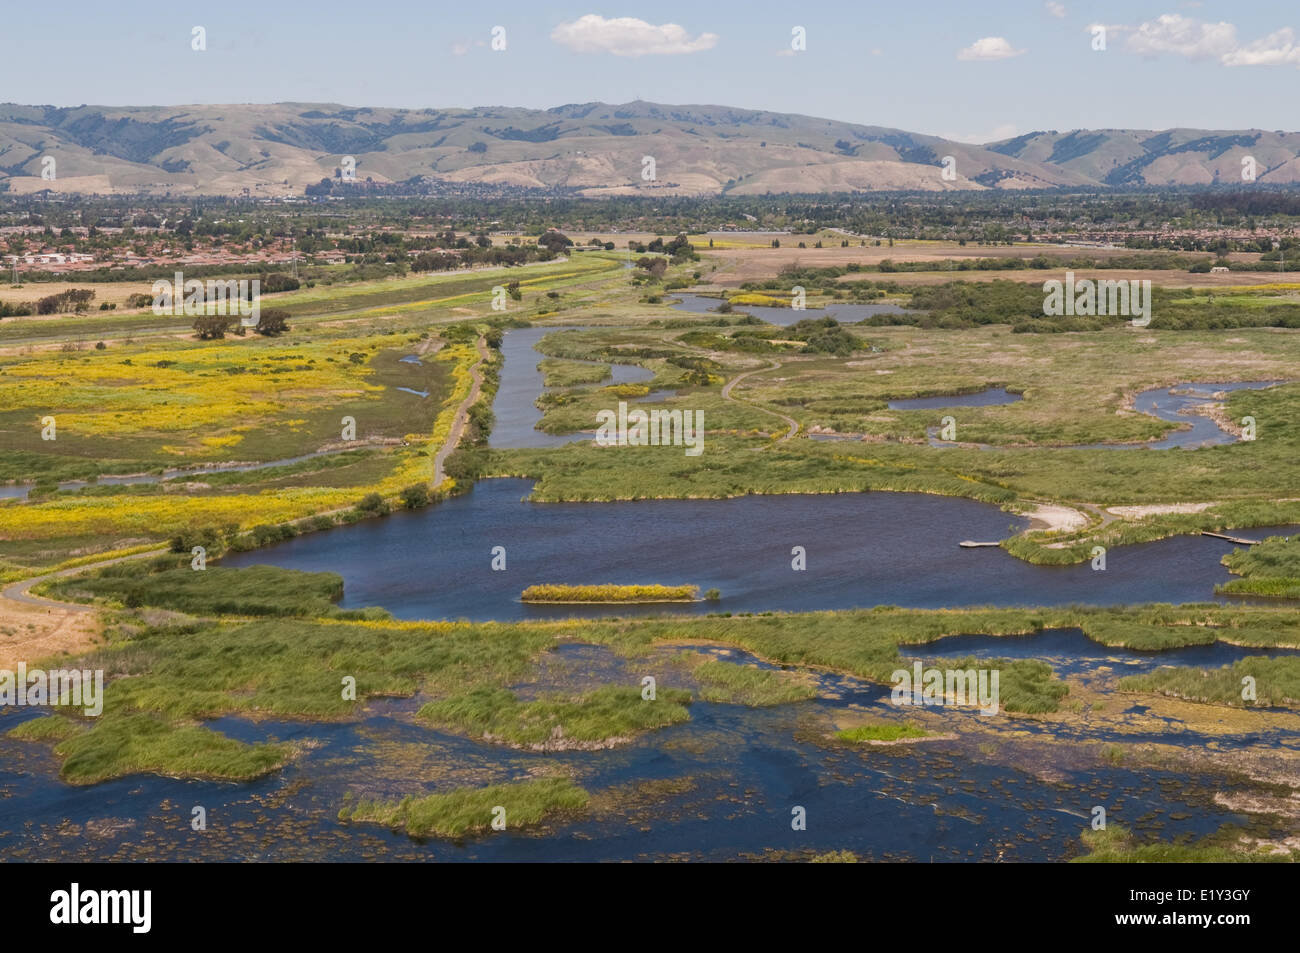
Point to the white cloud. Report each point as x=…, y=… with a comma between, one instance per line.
x=1276, y=49
x=1055, y=9
x=1199, y=39
x=989, y=48
x=628, y=36
x=1183, y=36
x=459, y=47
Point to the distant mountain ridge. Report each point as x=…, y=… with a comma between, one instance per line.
x=590, y=148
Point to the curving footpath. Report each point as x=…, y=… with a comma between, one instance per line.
x=726, y=395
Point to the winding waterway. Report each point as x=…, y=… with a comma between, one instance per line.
x=515, y=407
x=784, y=317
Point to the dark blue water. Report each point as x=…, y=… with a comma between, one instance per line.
x=521, y=384
x=1175, y=404
x=985, y=398
x=784, y=317
x=1071, y=652
x=863, y=549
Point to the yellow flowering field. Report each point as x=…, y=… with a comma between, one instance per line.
x=207, y=389
x=104, y=396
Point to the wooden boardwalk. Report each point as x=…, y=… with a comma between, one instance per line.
x=1232, y=539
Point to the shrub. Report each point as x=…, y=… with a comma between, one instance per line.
x=415, y=496
x=372, y=503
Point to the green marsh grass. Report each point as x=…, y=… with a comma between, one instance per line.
x=46, y=728
x=1115, y=845
x=1277, y=683
x=146, y=744
x=598, y=718
x=254, y=590
x=882, y=732
x=471, y=810
x=732, y=684
x=610, y=593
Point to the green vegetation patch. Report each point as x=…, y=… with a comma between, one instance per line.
x=1115, y=845
x=255, y=590
x=1275, y=683
x=557, y=372
x=887, y=732
x=1270, y=568
x=1146, y=636
x=731, y=684
x=146, y=744
x=597, y=719
x=1025, y=686
x=46, y=728
x=472, y=810
x=610, y=593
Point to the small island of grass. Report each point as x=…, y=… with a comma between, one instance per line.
x=610, y=594
x=882, y=733
x=472, y=810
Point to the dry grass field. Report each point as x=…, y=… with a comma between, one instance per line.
x=738, y=265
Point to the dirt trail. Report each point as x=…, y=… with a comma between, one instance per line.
x=726, y=395
x=462, y=412
x=33, y=627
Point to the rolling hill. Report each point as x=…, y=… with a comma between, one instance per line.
x=593, y=149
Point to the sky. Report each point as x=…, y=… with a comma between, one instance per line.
x=974, y=71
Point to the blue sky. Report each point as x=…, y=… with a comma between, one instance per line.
x=1028, y=64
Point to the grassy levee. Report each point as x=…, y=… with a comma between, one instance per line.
x=463, y=811
x=385, y=297
x=445, y=289
x=725, y=469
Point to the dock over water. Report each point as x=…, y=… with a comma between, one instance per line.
x=1232, y=539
